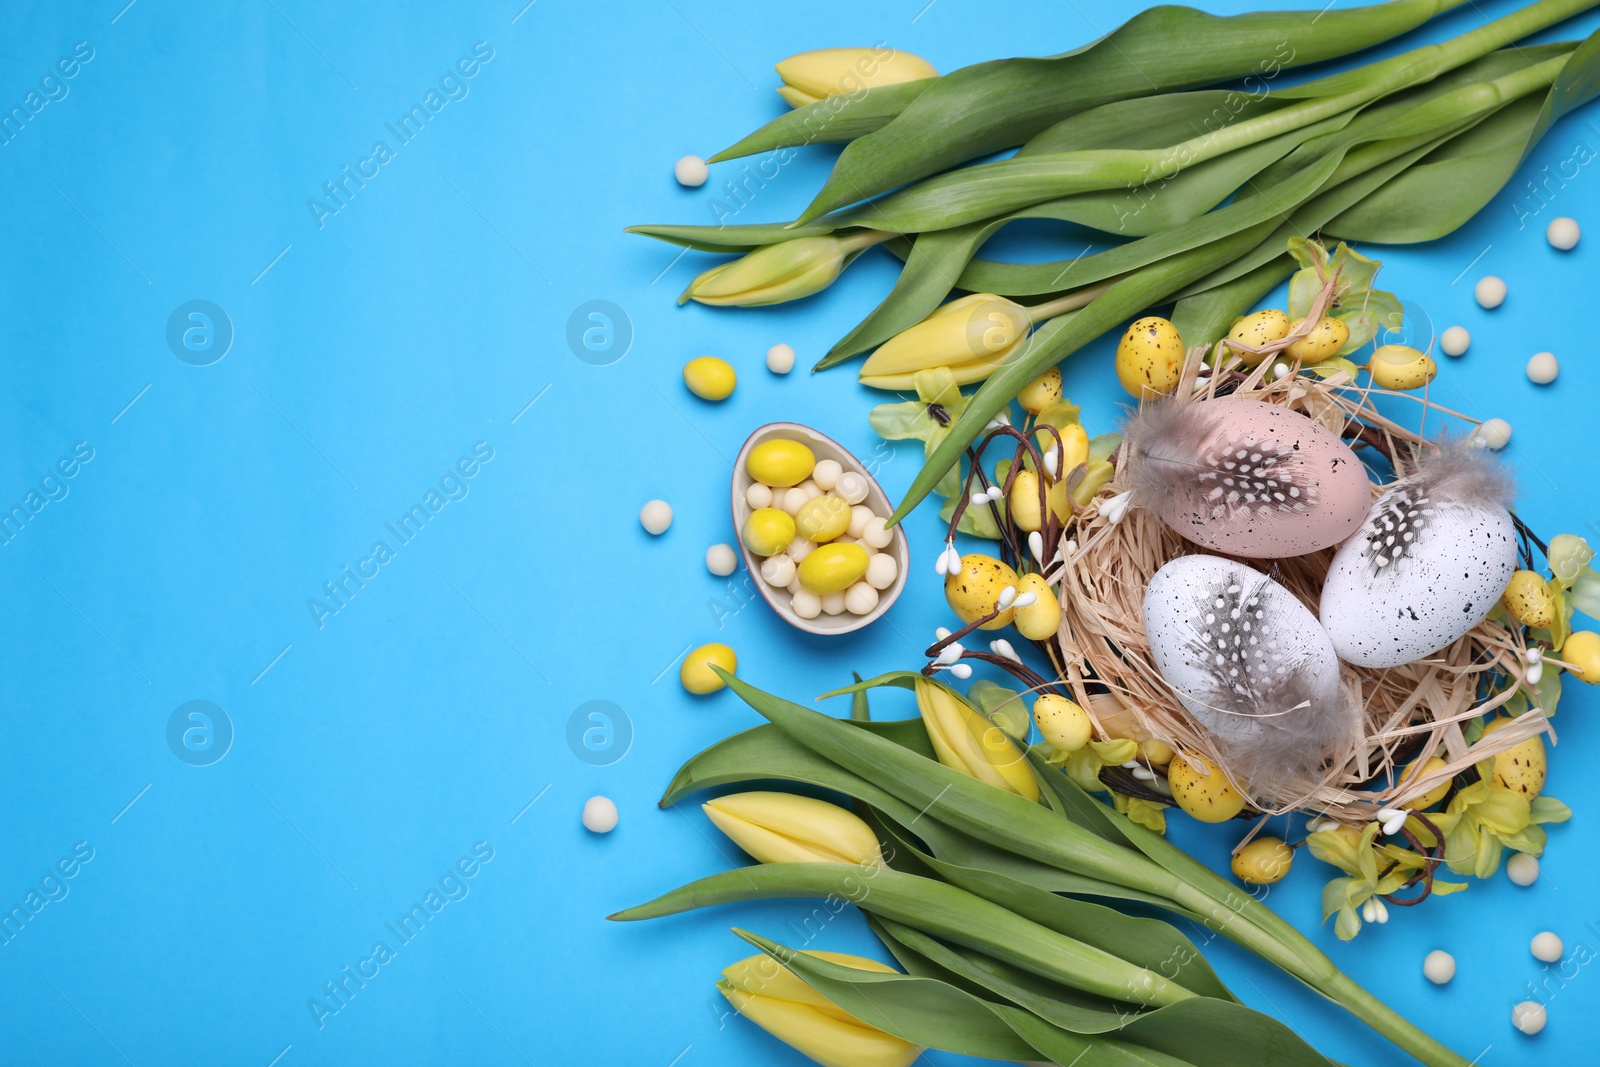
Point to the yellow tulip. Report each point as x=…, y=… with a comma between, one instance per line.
x=966, y=741
x=786, y=828
x=775, y=999
x=780, y=272
x=972, y=336
x=811, y=76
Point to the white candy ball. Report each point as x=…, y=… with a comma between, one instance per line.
x=778, y=570
x=758, y=495
x=806, y=604
x=882, y=570
x=860, y=515
x=799, y=549
x=1523, y=869
x=860, y=598
x=790, y=500
x=1543, y=368
x=875, y=534
x=691, y=171
x=1490, y=292
x=1454, y=341
x=1494, y=433
x=599, y=815
x=1562, y=233
x=1547, y=947
x=810, y=488
x=826, y=474
x=656, y=516
x=780, y=359
x=721, y=560
x=833, y=604
x=1439, y=967
x=851, y=486
x=1529, y=1016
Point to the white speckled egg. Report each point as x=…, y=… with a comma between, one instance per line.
x=1251, y=664
x=1431, y=560
x=1246, y=477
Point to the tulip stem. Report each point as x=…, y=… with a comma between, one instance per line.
x=861, y=239
x=1072, y=301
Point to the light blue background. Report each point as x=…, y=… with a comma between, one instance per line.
x=430, y=712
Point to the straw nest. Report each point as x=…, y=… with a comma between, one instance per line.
x=1419, y=707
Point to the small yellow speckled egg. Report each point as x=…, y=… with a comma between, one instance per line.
x=1042, y=618
x=1150, y=357
x=1201, y=789
x=709, y=378
x=1528, y=599
x=974, y=591
x=1263, y=861
x=1259, y=328
x=1327, y=336
x=822, y=518
x=1041, y=392
x=1401, y=367
x=1523, y=766
x=696, y=673
x=1421, y=768
x=1062, y=722
x=780, y=463
x=833, y=568
x=1582, y=650
x=1024, y=502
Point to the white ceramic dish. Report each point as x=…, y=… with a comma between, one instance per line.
x=824, y=447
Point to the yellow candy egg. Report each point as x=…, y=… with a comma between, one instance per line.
x=1528, y=599
x=767, y=531
x=1582, y=650
x=1042, y=618
x=1263, y=861
x=1523, y=766
x=1041, y=392
x=833, y=568
x=709, y=378
x=1062, y=722
x=822, y=518
x=780, y=463
x=1157, y=752
x=696, y=673
x=1257, y=329
x=1421, y=768
x=1202, y=790
x=974, y=591
x=1327, y=336
x=1150, y=357
x=1401, y=367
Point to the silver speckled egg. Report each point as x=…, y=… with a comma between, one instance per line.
x=1431, y=560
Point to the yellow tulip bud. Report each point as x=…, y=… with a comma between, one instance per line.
x=967, y=742
x=777, y=1000
x=786, y=828
x=779, y=272
x=976, y=334
x=812, y=76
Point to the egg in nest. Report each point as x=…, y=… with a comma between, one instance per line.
x=1251, y=665
x=1245, y=477
x=1429, y=563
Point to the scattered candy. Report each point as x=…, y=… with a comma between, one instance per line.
x=1562, y=233
x=1529, y=1016
x=1523, y=869
x=696, y=673
x=710, y=378
x=1454, y=341
x=1490, y=292
x=1543, y=368
x=1547, y=947
x=691, y=171
x=851, y=486
x=656, y=516
x=721, y=560
x=1494, y=433
x=780, y=360
x=599, y=815
x=1439, y=967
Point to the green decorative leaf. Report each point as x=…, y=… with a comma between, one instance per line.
x=1568, y=555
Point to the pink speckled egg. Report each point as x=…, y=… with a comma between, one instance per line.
x=1245, y=477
